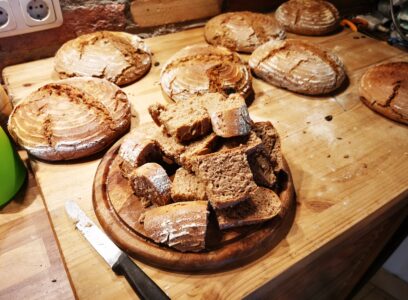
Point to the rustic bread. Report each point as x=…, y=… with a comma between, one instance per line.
x=181, y=225
x=185, y=120
x=298, y=66
x=201, y=68
x=116, y=56
x=308, y=17
x=151, y=184
x=242, y=31
x=70, y=119
x=249, y=143
x=384, y=89
x=263, y=205
x=228, y=176
x=229, y=116
x=187, y=187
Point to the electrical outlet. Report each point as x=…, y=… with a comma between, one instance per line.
x=7, y=20
x=24, y=16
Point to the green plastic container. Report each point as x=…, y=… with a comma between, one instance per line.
x=12, y=170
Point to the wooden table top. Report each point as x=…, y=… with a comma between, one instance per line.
x=347, y=172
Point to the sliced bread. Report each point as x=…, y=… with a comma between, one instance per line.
x=187, y=187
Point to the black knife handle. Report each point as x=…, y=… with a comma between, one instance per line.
x=145, y=288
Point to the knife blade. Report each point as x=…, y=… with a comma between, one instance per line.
x=120, y=263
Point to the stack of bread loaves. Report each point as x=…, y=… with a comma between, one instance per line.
x=224, y=162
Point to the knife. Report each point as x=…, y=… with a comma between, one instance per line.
x=120, y=263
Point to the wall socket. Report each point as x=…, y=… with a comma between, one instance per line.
x=24, y=16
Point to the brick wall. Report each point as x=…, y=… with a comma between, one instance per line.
x=145, y=17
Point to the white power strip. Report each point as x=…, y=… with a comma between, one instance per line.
x=24, y=16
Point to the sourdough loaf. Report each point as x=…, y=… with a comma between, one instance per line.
x=298, y=66
x=186, y=186
x=70, y=119
x=308, y=17
x=116, y=56
x=181, y=225
x=199, y=69
x=384, y=89
x=242, y=31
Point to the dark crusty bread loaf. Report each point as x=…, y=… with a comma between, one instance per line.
x=298, y=66
x=116, y=56
x=70, y=118
x=308, y=17
x=263, y=205
x=228, y=176
x=384, y=89
x=151, y=183
x=181, y=225
x=185, y=121
x=187, y=187
x=242, y=31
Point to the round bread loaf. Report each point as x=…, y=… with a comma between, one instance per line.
x=199, y=69
x=116, y=56
x=298, y=66
x=384, y=89
x=242, y=31
x=71, y=118
x=308, y=17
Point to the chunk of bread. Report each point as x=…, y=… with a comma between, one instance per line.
x=263, y=205
x=249, y=143
x=181, y=225
x=187, y=187
x=185, y=121
x=228, y=176
x=151, y=183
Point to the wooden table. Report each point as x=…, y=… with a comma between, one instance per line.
x=350, y=176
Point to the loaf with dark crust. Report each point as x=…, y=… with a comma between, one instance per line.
x=70, y=119
x=242, y=31
x=298, y=66
x=201, y=68
x=308, y=17
x=384, y=89
x=119, y=57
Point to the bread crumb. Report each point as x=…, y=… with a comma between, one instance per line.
x=156, y=64
x=346, y=156
x=328, y=118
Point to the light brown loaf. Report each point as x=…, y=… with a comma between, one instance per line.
x=116, y=56
x=384, y=89
x=181, y=225
x=187, y=187
x=298, y=66
x=242, y=31
x=201, y=68
x=308, y=17
x=70, y=119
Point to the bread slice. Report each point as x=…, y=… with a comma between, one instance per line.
x=187, y=187
x=181, y=225
x=228, y=176
x=185, y=121
x=249, y=143
x=262, y=168
x=229, y=116
x=151, y=183
x=263, y=205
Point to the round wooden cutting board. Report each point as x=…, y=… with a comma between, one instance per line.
x=118, y=211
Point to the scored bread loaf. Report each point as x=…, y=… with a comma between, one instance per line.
x=242, y=31
x=116, y=56
x=187, y=187
x=181, y=225
x=201, y=68
x=298, y=66
x=308, y=17
x=185, y=120
x=151, y=184
x=384, y=89
x=263, y=205
x=70, y=119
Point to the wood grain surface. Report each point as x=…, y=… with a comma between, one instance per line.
x=349, y=173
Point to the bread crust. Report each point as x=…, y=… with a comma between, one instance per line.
x=242, y=31
x=384, y=89
x=308, y=17
x=119, y=57
x=298, y=66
